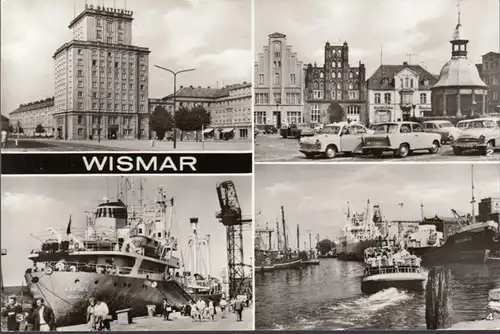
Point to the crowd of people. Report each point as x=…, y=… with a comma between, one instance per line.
x=389, y=256
x=39, y=318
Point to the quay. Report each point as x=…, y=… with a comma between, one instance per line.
x=177, y=322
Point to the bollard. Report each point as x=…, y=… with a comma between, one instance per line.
x=438, y=305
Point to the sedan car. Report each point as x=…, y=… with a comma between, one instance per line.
x=401, y=138
x=445, y=129
x=481, y=134
x=335, y=138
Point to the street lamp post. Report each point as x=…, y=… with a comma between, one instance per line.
x=175, y=92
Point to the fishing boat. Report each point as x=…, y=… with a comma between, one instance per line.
x=424, y=240
x=358, y=234
x=391, y=267
x=205, y=287
x=308, y=256
x=474, y=241
x=124, y=257
x=274, y=259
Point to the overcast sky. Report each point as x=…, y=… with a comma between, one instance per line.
x=213, y=36
x=33, y=204
x=315, y=196
x=423, y=27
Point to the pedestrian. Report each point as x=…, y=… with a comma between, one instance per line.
x=211, y=310
x=4, y=138
x=90, y=315
x=44, y=319
x=238, y=308
x=30, y=318
x=255, y=133
x=14, y=313
x=223, y=307
x=101, y=313
x=166, y=309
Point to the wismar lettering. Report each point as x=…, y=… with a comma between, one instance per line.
x=139, y=164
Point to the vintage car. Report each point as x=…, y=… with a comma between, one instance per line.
x=270, y=129
x=481, y=134
x=291, y=130
x=335, y=138
x=308, y=131
x=446, y=129
x=401, y=138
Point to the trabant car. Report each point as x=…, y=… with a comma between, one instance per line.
x=401, y=138
x=481, y=134
x=334, y=138
x=445, y=129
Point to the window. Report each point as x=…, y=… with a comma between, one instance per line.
x=94, y=95
x=80, y=119
x=339, y=64
x=141, y=107
x=80, y=51
x=339, y=75
x=417, y=128
x=260, y=117
x=94, y=84
x=108, y=106
x=411, y=83
x=80, y=95
x=142, y=87
x=117, y=96
x=124, y=86
x=120, y=25
x=405, y=128
x=142, y=97
x=117, y=106
x=109, y=96
x=94, y=105
x=406, y=82
x=276, y=78
x=94, y=73
x=401, y=83
x=377, y=98
x=109, y=39
x=80, y=62
x=110, y=26
x=99, y=34
x=130, y=107
x=315, y=114
x=351, y=86
x=387, y=98
x=339, y=85
x=80, y=73
x=423, y=98
x=101, y=105
x=80, y=105
x=98, y=22
x=124, y=96
x=120, y=38
x=261, y=79
x=350, y=75
x=80, y=84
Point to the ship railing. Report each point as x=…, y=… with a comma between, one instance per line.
x=392, y=269
x=147, y=271
x=68, y=266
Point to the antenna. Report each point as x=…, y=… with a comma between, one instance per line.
x=409, y=57
x=422, y=210
x=381, y=54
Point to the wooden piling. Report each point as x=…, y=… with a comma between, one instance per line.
x=438, y=306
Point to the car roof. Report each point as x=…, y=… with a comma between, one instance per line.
x=398, y=123
x=437, y=121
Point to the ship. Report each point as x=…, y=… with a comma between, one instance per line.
x=308, y=256
x=124, y=257
x=204, y=287
x=473, y=242
x=269, y=259
x=424, y=240
x=358, y=234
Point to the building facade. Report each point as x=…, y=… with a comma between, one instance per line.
x=399, y=92
x=335, y=87
x=229, y=107
x=459, y=90
x=101, y=79
x=279, y=84
x=490, y=73
x=30, y=115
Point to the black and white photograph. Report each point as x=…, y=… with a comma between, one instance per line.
x=384, y=80
x=126, y=75
x=93, y=253
x=393, y=246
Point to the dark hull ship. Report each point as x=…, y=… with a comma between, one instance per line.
x=123, y=257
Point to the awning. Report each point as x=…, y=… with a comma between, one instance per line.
x=208, y=130
x=227, y=130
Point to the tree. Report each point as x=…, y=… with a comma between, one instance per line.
x=39, y=129
x=335, y=113
x=11, y=129
x=161, y=121
x=200, y=118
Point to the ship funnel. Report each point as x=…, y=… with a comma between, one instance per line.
x=194, y=223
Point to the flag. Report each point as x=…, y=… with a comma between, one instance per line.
x=68, y=230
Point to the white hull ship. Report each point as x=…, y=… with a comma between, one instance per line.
x=123, y=258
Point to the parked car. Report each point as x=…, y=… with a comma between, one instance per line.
x=401, y=138
x=291, y=130
x=481, y=134
x=335, y=138
x=446, y=129
x=270, y=129
x=308, y=131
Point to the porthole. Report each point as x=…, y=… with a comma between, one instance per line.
x=96, y=282
x=77, y=280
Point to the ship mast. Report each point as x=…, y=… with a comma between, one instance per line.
x=278, y=236
x=298, y=238
x=285, y=241
x=473, y=201
x=194, y=222
x=310, y=246
x=207, y=242
x=269, y=232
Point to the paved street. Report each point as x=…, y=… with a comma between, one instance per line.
x=273, y=148
x=178, y=323
x=30, y=145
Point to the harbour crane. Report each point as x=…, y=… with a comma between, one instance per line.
x=230, y=216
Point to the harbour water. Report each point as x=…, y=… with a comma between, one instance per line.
x=329, y=296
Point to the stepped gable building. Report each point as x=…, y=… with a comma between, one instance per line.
x=279, y=84
x=459, y=90
x=229, y=107
x=490, y=73
x=335, y=87
x=31, y=115
x=101, y=79
x=399, y=92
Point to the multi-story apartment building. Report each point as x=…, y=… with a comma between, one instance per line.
x=279, y=84
x=334, y=86
x=399, y=92
x=490, y=73
x=30, y=115
x=229, y=107
x=101, y=79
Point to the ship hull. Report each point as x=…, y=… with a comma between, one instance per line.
x=472, y=246
x=278, y=266
x=311, y=262
x=403, y=281
x=354, y=251
x=67, y=293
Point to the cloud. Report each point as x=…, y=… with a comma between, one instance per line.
x=278, y=189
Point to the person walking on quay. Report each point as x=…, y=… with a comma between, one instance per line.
x=223, y=307
x=14, y=313
x=238, y=308
x=30, y=318
x=211, y=310
x=166, y=309
x=44, y=319
x=4, y=138
x=101, y=313
x=90, y=315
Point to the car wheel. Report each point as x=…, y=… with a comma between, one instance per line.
x=331, y=152
x=378, y=154
x=403, y=151
x=443, y=141
x=451, y=139
x=489, y=147
x=309, y=155
x=434, y=147
x=457, y=151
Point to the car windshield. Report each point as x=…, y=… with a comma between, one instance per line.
x=334, y=130
x=481, y=124
x=446, y=125
x=462, y=125
x=386, y=128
